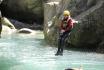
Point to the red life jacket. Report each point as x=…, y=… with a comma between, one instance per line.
x=67, y=24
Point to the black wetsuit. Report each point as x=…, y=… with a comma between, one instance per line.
x=61, y=42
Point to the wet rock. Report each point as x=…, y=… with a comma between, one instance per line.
x=7, y=31
x=80, y=68
x=20, y=25
x=100, y=49
x=25, y=30
x=6, y=22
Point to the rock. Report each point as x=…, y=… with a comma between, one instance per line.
x=6, y=22
x=7, y=28
x=86, y=34
x=73, y=69
x=23, y=10
x=80, y=68
x=91, y=3
x=100, y=49
x=19, y=24
x=7, y=31
x=25, y=31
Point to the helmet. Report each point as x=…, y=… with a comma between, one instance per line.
x=66, y=13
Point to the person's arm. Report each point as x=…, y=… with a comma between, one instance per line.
x=61, y=27
x=74, y=21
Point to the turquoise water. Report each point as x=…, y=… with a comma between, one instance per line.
x=30, y=52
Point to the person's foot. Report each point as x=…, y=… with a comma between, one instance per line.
x=58, y=54
x=61, y=54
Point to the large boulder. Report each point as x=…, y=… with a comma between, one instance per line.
x=7, y=27
x=88, y=33
x=25, y=10
x=6, y=22
x=20, y=25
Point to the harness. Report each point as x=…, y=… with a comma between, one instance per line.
x=65, y=23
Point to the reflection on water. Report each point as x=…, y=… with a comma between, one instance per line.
x=30, y=52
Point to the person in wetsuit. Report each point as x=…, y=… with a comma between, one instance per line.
x=66, y=26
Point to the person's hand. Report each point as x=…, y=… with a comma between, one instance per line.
x=76, y=22
x=62, y=31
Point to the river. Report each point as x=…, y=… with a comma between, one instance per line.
x=30, y=52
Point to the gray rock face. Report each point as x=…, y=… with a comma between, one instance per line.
x=26, y=10
x=88, y=33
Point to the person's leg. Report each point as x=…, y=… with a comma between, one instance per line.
x=60, y=47
x=66, y=38
x=65, y=35
x=59, y=44
x=62, y=43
